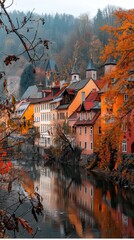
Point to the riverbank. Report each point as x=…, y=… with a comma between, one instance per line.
x=123, y=176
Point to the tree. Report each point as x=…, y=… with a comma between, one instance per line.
x=117, y=83
x=27, y=78
x=121, y=48
x=10, y=220
x=30, y=47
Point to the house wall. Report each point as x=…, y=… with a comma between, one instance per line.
x=28, y=114
x=127, y=135
x=96, y=133
x=85, y=139
x=78, y=99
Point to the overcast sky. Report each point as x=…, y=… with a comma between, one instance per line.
x=73, y=7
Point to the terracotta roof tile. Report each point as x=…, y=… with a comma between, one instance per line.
x=87, y=122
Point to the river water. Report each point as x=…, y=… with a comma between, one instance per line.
x=76, y=205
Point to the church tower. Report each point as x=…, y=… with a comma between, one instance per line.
x=110, y=65
x=91, y=70
x=75, y=72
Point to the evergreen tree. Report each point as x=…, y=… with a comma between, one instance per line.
x=27, y=79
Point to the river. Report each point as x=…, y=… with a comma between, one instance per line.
x=75, y=204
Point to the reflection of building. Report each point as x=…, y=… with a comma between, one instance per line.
x=47, y=189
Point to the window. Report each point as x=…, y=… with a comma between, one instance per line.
x=124, y=127
x=80, y=130
x=113, y=80
x=90, y=116
x=91, y=192
x=99, y=130
x=85, y=116
x=91, y=130
x=91, y=146
x=62, y=115
x=125, y=97
x=85, y=130
x=80, y=116
x=85, y=145
x=124, y=145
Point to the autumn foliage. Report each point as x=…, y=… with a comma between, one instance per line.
x=117, y=82
x=121, y=48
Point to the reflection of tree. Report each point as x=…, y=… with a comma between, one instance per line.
x=23, y=200
x=72, y=173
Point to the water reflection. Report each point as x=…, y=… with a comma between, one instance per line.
x=77, y=205
x=93, y=207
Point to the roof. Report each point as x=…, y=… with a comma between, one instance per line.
x=58, y=99
x=31, y=92
x=98, y=83
x=85, y=106
x=73, y=116
x=93, y=96
x=87, y=122
x=90, y=66
x=78, y=85
x=22, y=108
x=75, y=68
x=70, y=91
x=50, y=65
x=110, y=61
x=45, y=99
x=65, y=106
x=58, y=94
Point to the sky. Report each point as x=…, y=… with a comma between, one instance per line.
x=73, y=7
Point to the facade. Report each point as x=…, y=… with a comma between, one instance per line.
x=111, y=116
x=78, y=105
x=25, y=114
x=88, y=125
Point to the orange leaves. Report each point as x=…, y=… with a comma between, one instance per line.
x=5, y=167
x=25, y=225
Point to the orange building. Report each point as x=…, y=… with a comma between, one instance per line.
x=24, y=114
x=110, y=114
x=87, y=125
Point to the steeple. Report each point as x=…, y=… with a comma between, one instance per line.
x=75, y=72
x=110, y=65
x=91, y=70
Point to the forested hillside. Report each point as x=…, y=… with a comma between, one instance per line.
x=69, y=38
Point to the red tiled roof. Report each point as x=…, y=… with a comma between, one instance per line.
x=70, y=91
x=93, y=96
x=60, y=91
x=74, y=114
x=87, y=122
x=99, y=83
x=49, y=97
x=85, y=106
